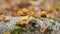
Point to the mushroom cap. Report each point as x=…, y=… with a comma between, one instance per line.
x=43, y=13
x=24, y=10
x=21, y=22
x=19, y=12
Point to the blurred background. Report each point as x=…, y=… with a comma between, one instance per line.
x=14, y=5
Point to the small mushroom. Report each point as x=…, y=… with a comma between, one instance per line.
x=3, y=18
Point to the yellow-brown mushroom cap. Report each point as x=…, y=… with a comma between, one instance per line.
x=21, y=22
x=43, y=13
x=24, y=10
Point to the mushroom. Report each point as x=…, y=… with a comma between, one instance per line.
x=43, y=14
x=21, y=22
